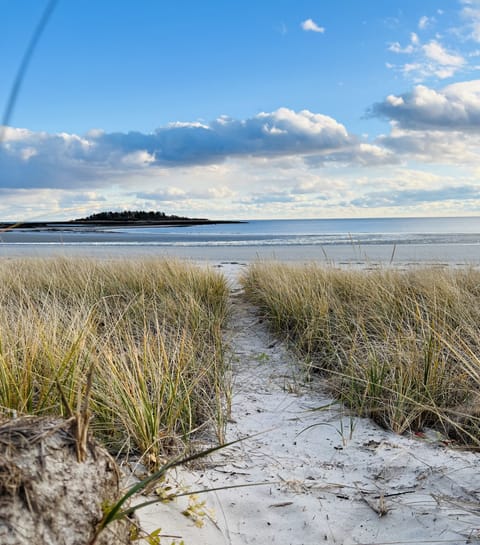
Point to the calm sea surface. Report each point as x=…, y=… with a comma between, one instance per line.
x=314, y=232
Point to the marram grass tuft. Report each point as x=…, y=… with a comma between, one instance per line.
x=402, y=347
x=150, y=328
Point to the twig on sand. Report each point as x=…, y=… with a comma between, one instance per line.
x=379, y=506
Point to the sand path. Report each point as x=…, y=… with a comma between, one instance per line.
x=334, y=478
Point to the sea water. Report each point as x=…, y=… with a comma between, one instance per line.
x=315, y=232
x=363, y=241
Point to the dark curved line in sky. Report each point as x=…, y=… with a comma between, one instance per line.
x=22, y=69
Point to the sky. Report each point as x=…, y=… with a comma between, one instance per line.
x=231, y=109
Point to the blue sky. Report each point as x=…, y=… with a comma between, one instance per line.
x=251, y=109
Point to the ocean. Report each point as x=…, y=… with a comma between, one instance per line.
x=391, y=240
x=312, y=232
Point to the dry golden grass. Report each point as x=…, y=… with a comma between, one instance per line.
x=151, y=329
x=402, y=347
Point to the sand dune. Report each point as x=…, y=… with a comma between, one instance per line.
x=332, y=477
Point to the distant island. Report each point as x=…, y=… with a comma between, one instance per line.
x=126, y=218
x=133, y=215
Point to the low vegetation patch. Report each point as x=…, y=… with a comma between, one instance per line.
x=150, y=331
x=402, y=347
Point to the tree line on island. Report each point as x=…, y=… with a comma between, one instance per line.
x=131, y=216
x=110, y=218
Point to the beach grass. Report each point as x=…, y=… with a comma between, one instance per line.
x=150, y=330
x=399, y=346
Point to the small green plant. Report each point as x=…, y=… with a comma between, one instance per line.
x=262, y=357
x=346, y=434
x=153, y=538
x=197, y=510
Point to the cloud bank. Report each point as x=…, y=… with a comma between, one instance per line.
x=29, y=159
x=283, y=163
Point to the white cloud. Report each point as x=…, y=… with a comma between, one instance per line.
x=402, y=198
x=311, y=26
x=174, y=193
x=431, y=59
x=138, y=159
x=362, y=154
x=12, y=134
x=423, y=22
x=222, y=192
x=435, y=52
x=40, y=204
x=394, y=100
x=434, y=126
x=395, y=47
x=436, y=147
x=27, y=153
x=471, y=15
x=187, y=125
x=453, y=108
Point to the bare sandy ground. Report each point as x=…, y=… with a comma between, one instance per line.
x=332, y=477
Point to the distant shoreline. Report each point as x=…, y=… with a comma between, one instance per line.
x=76, y=225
